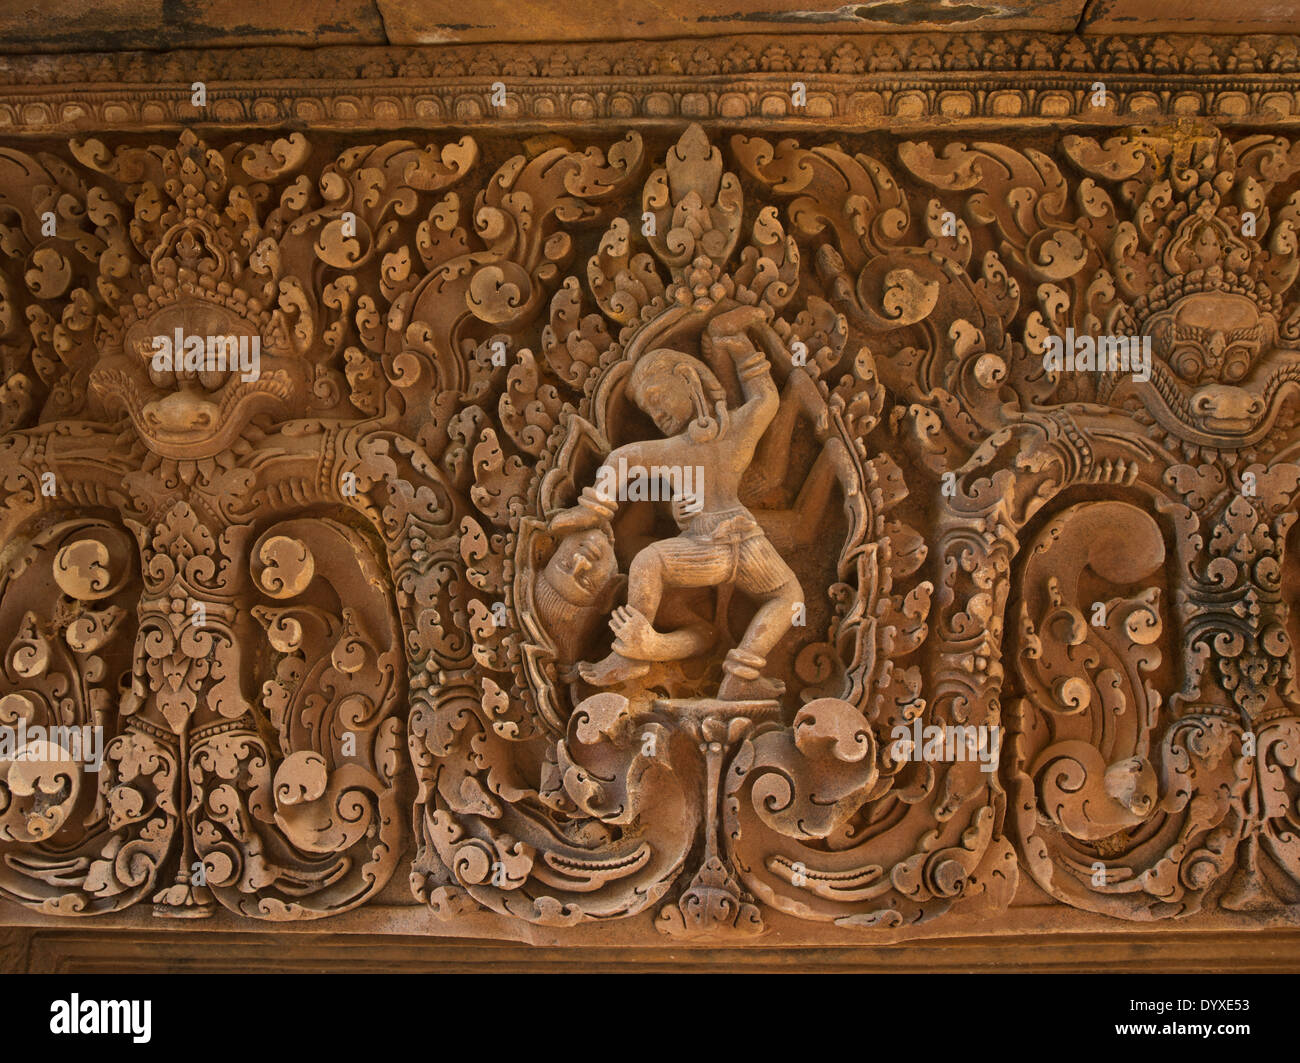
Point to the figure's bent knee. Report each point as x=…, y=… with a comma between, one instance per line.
x=789, y=592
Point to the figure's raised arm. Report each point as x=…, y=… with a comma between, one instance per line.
x=599, y=502
x=728, y=334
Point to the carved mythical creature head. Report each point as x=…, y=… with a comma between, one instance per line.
x=205, y=254
x=1219, y=375
x=203, y=303
x=673, y=389
x=1211, y=337
x=1212, y=341
x=193, y=403
x=1206, y=286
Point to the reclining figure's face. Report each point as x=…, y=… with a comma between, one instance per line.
x=582, y=567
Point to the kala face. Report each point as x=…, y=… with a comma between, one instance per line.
x=1217, y=378
x=1211, y=338
x=190, y=375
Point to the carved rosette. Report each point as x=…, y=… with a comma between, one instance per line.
x=395, y=549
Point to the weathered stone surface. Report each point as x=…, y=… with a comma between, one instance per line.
x=84, y=950
x=1192, y=16
x=425, y=22
x=74, y=26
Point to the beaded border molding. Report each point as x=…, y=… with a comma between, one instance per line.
x=850, y=82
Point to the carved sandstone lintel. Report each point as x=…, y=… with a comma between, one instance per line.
x=691, y=532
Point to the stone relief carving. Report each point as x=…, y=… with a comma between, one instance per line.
x=928, y=78
x=595, y=518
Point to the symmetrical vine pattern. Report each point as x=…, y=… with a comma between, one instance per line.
x=368, y=608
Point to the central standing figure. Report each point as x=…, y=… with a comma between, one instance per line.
x=721, y=544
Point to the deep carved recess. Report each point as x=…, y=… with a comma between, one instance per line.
x=384, y=566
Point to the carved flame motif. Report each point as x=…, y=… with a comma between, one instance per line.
x=629, y=501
